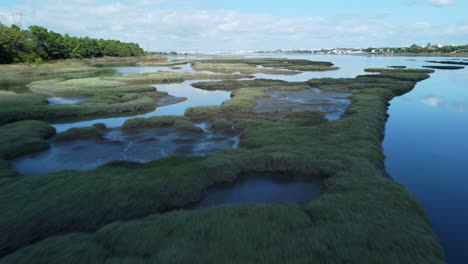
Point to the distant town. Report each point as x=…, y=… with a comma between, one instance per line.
x=413, y=49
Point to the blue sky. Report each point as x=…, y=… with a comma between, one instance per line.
x=250, y=25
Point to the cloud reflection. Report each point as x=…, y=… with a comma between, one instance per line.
x=433, y=101
x=461, y=107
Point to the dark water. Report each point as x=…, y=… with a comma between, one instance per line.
x=138, y=145
x=273, y=188
x=427, y=151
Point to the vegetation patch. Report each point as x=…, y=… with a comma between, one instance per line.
x=450, y=62
x=220, y=124
x=93, y=132
x=242, y=68
x=361, y=215
x=383, y=70
x=154, y=121
x=162, y=77
x=444, y=67
x=249, y=65
x=413, y=75
x=37, y=44
x=306, y=114
x=397, y=67
x=230, y=85
x=187, y=126
x=22, y=138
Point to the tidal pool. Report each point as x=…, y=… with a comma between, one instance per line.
x=55, y=100
x=125, y=70
x=138, y=145
x=282, y=102
x=262, y=187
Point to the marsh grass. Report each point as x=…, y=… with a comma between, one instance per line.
x=230, y=85
x=95, y=132
x=106, y=98
x=155, y=121
x=249, y=65
x=22, y=138
x=242, y=68
x=14, y=72
x=163, y=77
x=444, y=67
x=361, y=216
x=450, y=62
x=243, y=97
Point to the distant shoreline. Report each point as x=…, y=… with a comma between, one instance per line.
x=445, y=55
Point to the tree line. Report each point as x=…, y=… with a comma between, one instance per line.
x=37, y=44
x=429, y=48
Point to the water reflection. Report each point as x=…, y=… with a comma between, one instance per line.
x=434, y=101
x=145, y=69
x=426, y=150
x=283, y=102
x=138, y=145
x=262, y=187
x=55, y=100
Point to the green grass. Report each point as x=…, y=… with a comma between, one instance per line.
x=413, y=75
x=248, y=65
x=242, y=68
x=155, y=121
x=60, y=68
x=444, y=67
x=106, y=98
x=288, y=64
x=450, y=62
x=187, y=126
x=230, y=85
x=305, y=114
x=220, y=124
x=162, y=77
x=361, y=216
x=93, y=132
x=398, y=70
x=22, y=138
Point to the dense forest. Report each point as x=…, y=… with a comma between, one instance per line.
x=37, y=44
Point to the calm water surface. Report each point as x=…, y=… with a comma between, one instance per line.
x=276, y=188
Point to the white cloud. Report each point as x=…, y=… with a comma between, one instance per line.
x=442, y=2
x=189, y=28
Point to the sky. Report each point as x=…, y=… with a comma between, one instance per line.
x=222, y=25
